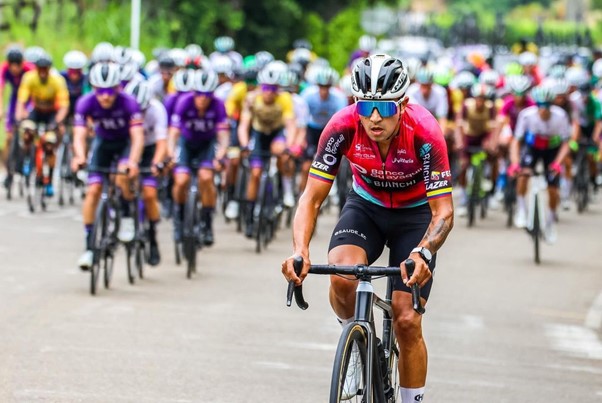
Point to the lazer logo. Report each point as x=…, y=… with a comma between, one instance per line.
x=320, y=166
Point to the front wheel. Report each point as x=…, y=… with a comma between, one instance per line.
x=536, y=229
x=348, y=381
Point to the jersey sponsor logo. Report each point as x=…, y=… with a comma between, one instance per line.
x=425, y=149
x=435, y=175
x=437, y=185
x=426, y=166
x=333, y=145
x=113, y=124
x=362, y=148
x=418, y=398
x=359, y=168
x=392, y=175
x=446, y=174
x=394, y=185
x=364, y=156
x=320, y=166
x=403, y=161
x=401, y=151
x=329, y=159
x=350, y=231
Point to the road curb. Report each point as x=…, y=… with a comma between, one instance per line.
x=593, y=319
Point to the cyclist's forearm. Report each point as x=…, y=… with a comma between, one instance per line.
x=304, y=226
x=597, y=131
x=20, y=112
x=515, y=152
x=160, y=151
x=441, y=224
x=137, y=144
x=61, y=114
x=79, y=141
x=562, y=153
x=172, y=140
x=243, y=130
x=223, y=139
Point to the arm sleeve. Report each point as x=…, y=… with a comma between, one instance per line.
x=136, y=118
x=161, y=122
x=431, y=148
x=25, y=88
x=334, y=142
x=81, y=111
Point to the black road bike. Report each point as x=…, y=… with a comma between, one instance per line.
x=374, y=361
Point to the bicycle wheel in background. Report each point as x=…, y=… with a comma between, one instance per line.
x=108, y=267
x=129, y=248
x=393, y=372
x=348, y=381
x=536, y=231
x=260, y=218
x=509, y=201
x=581, y=182
x=473, y=197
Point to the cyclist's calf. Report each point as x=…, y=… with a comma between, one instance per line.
x=342, y=289
x=93, y=193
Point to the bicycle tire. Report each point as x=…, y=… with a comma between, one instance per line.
x=177, y=253
x=353, y=334
x=473, y=198
x=261, y=224
x=189, y=238
x=536, y=230
x=130, y=266
x=393, y=369
x=139, y=258
x=98, y=234
x=108, y=262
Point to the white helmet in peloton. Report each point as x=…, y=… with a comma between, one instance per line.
x=142, y=91
x=380, y=77
x=205, y=81
x=75, y=60
x=105, y=75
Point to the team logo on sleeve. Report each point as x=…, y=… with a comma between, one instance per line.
x=425, y=149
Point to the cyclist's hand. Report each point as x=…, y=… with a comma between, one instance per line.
x=556, y=167
x=513, y=170
x=421, y=274
x=288, y=270
x=77, y=163
x=132, y=170
x=296, y=150
x=244, y=152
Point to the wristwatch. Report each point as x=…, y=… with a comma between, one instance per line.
x=424, y=253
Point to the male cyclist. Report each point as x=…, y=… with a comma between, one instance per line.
x=119, y=137
x=323, y=101
x=401, y=198
x=155, y=150
x=75, y=78
x=50, y=98
x=201, y=120
x=544, y=129
x=266, y=114
x=11, y=72
x=430, y=95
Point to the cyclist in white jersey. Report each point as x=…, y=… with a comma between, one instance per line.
x=544, y=130
x=155, y=150
x=430, y=95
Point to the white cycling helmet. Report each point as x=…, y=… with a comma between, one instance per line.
x=33, y=53
x=122, y=55
x=75, y=59
x=301, y=55
x=542, y=93
x=141, y=91
x=413, y=64
x=380, y=77
x=262, y=58
x=518, y=84
x=102, y=52
x=597, y=68
x=128, y=71
x=527, y=59
x=222, y=64
x=272, y=73
x=345, y=85
x=367, y=43
x=559, y=86
x=194, y=50
x=205, y=81
x=179, y=56
x=489, y=77
x=576, y=76
x=184, y=80
x=138, y=58
x=105, y=75
x=325, y=76
x=223, y=44
x=464, y=79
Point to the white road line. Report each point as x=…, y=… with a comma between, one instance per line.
x=578, y=341
x=593, y=320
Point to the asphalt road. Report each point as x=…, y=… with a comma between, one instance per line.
x=498, y=327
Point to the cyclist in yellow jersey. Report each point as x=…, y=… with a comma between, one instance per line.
x=49, y=96
x=265, y=115
x=48, y=93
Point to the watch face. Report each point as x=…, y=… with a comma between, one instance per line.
x=427, y=254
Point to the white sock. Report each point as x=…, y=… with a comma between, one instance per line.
x=345, y=322
x=411, y=395
x=287, y=185
x=565, y=188
x=462, y=196
x=521, y=203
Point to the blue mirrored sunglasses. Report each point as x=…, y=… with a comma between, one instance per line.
x=385, y=108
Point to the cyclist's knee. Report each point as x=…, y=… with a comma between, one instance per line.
x=93, y=191
x=149, y=193
x=180, y=180
x=205, y=177
x=343, y=287
x=407, y=323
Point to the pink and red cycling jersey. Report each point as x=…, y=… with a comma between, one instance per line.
x=416, y=167
x=511, y=110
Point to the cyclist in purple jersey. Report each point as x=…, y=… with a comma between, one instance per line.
x=198, y=121
x=11, y=72
x=119, y=136
x=183, y=83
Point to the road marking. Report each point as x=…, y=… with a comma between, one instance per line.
x=578, y=341
x=593, y=319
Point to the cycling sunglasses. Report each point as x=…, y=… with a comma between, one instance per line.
x=105, y=91
x=544, y=105
x=385, y=108
x=203, y=93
